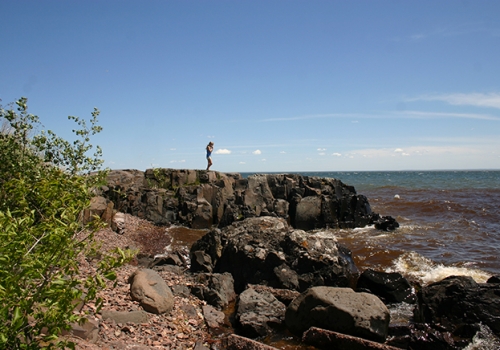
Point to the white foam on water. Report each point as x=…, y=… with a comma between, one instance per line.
x=327, y=234
x=401, y=313
x=426, y=271
x=484, y=340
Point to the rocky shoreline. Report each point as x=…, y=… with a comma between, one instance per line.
x=267, y=255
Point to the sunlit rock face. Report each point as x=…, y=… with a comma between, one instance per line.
x=201, y=199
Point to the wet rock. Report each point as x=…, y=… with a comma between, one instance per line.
x=150, y=290
x=341, y=310
x=390, y=287
x=493, y=279
x=423, y=336
x=258, y=313
x=384, y=223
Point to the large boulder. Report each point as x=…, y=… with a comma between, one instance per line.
x=259, y=313
x=341, y=310
x=265, y=250
x=151, y=291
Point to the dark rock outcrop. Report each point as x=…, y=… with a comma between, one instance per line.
x=265, y=250
x=457, y=303
x=201, y=199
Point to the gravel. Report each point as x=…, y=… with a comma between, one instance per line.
x=183, y=328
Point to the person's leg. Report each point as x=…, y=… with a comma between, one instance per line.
x=209, y=163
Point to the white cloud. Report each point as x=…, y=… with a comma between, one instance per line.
x=264, y=159
x=321, y=149
x=398, y=150
x=242, y=163
x=178, y=161
x=282, y=152
x=257, y=152
x=173, y=149
x=321, y=153
x=336, y=154
x=222, y=151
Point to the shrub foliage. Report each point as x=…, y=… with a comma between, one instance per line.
x=45, y=184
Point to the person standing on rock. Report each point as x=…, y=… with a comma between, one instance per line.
x=210, y=148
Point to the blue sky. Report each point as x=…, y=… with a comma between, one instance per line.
x=276, y=85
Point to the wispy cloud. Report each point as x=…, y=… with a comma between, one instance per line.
x=433, y=115
x=257, y=152
x=414, y=151
x=314, y=116
x=466, y=28
x=491, y=100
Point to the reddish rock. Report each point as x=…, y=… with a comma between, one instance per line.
x=324, y=339
x=235, y=342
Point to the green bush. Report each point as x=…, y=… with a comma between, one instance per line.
x=45, y=184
